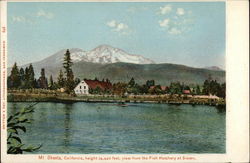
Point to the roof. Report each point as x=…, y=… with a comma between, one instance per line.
x=186, y=91
x=162, y=87
x=151, y=87
x=93, y=84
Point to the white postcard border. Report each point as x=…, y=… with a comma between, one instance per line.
x=237, y=78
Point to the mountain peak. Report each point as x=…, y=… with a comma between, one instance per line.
x=103, y=54
x=104, y=46
x=108, y=54
x=107, y=49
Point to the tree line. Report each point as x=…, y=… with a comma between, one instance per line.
x=209, y=87
x=25, y=78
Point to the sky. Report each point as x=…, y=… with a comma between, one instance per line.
x=188, y=33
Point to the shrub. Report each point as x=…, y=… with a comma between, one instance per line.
x=15, y=124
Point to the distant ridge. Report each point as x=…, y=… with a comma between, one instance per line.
x=115, y=64
x=215, y=68
x=102, y=54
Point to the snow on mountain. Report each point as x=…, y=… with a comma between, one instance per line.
x=101, y=54
x=108, y=54
x=57, y=58
x=77, y=55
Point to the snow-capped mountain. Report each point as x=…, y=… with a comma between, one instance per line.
x=102, y=54
x=57, y=58
x=108, y=54
x=101, y=63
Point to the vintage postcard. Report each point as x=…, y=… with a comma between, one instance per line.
x=124, y=81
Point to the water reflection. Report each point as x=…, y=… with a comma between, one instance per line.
x=137, y=128
x=221, y=108
x=14, y=109
x=67, y=124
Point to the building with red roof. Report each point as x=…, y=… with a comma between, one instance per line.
x=84, y=87
x=186, y=92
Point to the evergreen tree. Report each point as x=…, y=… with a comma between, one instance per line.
x=42, y=81
x=26, y=78
x=70, y=82
x=198, y=90
x=131, y=83
x=214, y=87
x=133, y=87
x=150, y=83
x=77, y=81
x=51, y=83
x=206, y=87
x=67, y=64
x=222, y=91
x=22, y=78
x=36, y=83
x=31, y=77
x=60, y=80
x=175, y=88
x=14, y=78
x=143, y=89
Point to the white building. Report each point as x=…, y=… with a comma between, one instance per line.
x=82, y=88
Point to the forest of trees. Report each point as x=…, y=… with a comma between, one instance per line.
x=25, y=78
x=209, y=87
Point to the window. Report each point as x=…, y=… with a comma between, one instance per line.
x=84, y=87
x=80, y=87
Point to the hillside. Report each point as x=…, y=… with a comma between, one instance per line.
x=115, y=64
x=162, y=73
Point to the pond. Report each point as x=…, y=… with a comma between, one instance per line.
x=135, y=128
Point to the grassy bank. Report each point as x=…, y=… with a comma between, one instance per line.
x=54, y=96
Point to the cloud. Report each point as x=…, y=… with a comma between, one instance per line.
x=18, y=19
x=119, y=27
x=177, y=22
x=32, y=18
x=174, y=31
x=164, y=23
x=171, y=26
x=180, y=11
x=42, y=13
x=165, y=9
x=112, y=23
x=22, y=19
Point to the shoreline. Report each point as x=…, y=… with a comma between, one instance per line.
x=13, y=97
